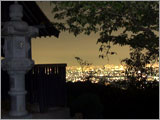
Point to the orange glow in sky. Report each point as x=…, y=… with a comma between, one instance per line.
x=67, y=46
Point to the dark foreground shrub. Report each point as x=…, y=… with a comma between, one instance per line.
x=88, y=104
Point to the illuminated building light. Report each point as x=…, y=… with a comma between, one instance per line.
x=157, y=78
x=116, y=73
x=107, y=83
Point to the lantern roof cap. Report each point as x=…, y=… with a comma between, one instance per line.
x=33, y=15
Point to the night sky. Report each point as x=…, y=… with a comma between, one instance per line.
x=52, y=50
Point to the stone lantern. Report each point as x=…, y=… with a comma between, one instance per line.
x=17, y=34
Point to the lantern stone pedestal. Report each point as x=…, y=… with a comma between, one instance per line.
x=17, y=34
x=17, y=69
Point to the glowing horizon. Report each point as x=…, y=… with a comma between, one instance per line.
x=51, y=50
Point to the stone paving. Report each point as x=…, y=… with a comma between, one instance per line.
x=54, y=113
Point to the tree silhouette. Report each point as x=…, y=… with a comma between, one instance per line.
x=82, y=63
x=137, y=63
x=137, y=23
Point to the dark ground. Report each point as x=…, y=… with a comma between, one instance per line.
x=110, y=102
x=87, y=100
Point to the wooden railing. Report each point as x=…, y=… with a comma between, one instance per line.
x=45, y=84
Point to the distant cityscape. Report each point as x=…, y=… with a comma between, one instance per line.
x=106, y=73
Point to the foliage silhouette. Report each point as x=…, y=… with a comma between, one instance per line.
x=89, y=105
x=131, y=103
x=137, y=23
x=82, y=63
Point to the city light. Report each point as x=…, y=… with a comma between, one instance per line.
x=105, y=73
